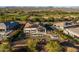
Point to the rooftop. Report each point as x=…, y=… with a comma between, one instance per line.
x=59, y=23
x=31, y=25
x=66, y=24
x=34, y=26
x=8, y=24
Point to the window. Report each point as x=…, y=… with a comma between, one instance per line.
x=27, y=30
x=33, y=31
x=1, y=30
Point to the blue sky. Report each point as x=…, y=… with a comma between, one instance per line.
x=39, y=3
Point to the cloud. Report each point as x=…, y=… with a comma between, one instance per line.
x=39, y=3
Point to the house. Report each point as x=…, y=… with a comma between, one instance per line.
x=59, y=25
x=8, y=27
x=74, y=32
x=34, y=29
x=69, y=28
x=66, y=24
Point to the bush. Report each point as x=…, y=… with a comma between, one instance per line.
x=53, y=46
x=5, y=46
x=43, y=45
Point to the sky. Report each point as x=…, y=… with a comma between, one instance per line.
x=39, y=2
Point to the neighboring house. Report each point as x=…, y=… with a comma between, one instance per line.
x=34, y=30
x=69, y=28
x=74, y=32
x=7, y=27
x=66, y=24
x=59, y=25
